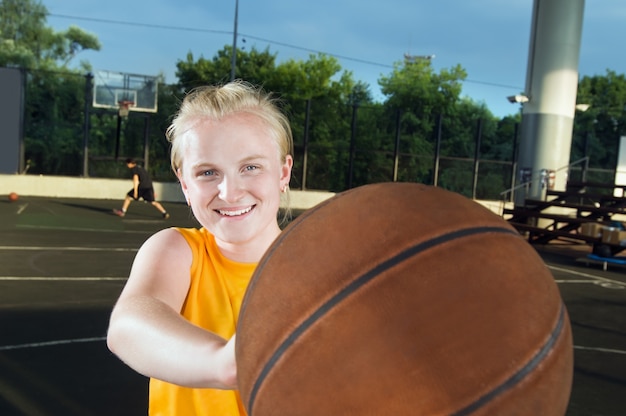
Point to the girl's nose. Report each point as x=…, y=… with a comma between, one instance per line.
x=229, y=190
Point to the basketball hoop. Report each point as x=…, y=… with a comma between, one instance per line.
x=124, y=107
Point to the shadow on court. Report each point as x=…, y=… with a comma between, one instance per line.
x=63, y=262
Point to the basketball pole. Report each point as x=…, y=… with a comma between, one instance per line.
x=549, y=100
x=233, y=61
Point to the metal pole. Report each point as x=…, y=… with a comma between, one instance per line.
x=396, y=152
x=233, y=62
x=86, y=119
x=583, y=176
x=514, y=162
x=22, y=164
x=146, y=141
x=479, y=133
x=355, y=108
x=305, y=144
x=551, y=88
x=437, y=150
x=117, y=137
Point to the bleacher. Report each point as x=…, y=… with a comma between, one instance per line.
x=586, y=213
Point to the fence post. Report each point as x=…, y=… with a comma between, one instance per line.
x=118, y=136
x=514, y=162
x=86, y=122
x=22, y=163
x=396, y=153
x=305, y=144
x=355, y=108
x=146, y=141
x=583, y=176
x=479, y=133
x=437, y=150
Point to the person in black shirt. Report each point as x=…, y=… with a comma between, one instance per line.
x=142, y=188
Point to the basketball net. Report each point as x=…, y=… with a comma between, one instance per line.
x=125, y=108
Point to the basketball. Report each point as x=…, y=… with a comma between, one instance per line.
x=403, y=299
x=13, y=197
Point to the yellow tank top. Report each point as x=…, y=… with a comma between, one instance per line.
x=213, y=302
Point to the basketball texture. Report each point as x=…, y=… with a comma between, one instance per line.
x=403, y=299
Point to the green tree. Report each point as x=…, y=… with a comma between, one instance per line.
x=253, y=66
x=317, y=85
x=597, y=131
x=55, y=94
x=420, y=96
x=431, y=109
x=321, y=82
x=26, y=41
x=54, y=119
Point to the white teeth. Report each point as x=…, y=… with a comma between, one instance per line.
x=235, y=213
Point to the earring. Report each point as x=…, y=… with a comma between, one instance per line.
x=284, y=189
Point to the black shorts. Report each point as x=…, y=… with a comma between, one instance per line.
x=146, y=193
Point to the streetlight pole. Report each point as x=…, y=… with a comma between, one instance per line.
x=233, y=61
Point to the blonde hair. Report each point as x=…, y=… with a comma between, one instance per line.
x=217, y=102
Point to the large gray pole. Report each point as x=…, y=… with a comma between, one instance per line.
x=551, y=86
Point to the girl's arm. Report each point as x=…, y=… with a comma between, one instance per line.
x=148, y=333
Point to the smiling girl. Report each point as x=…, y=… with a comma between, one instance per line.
x=175, y=319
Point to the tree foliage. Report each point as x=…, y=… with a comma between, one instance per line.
x=597, y=131
x=26, y=41
x=343, y=137
x=55, y=95
x=434, y=117
x=319, y=80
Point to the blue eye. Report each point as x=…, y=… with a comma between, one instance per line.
x=208, y=173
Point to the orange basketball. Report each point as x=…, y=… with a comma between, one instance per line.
x=403, y=299
x=13, y=197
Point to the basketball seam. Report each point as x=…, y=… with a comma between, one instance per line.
x=354, y=285
x=522, y=372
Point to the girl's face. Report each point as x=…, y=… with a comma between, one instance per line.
x=232, y=176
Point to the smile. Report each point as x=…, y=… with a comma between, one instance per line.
x=235, y=213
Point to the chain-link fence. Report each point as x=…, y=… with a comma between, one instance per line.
x=337, y=147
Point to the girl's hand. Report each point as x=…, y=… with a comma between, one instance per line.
x=229, y=364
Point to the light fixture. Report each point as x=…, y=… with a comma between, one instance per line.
x=582, y=107
x=414, y=58
x=519, y=98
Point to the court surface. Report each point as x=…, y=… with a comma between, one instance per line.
x=63, y=262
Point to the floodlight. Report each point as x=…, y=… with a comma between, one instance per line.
x=519, y=98
x=582, y=107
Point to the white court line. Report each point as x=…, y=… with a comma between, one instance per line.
x=98, y=339
x=50, y=248
x=596, y=280
x=22, y=208
x=60, y=279
x=49, y=343
x=100, y=230
x=599, y=349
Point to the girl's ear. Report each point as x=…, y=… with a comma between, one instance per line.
x=285, y=172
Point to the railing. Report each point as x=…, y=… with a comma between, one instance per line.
x=583, y=174
x=508, y=195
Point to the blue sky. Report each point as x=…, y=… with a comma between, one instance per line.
x=489, y=38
